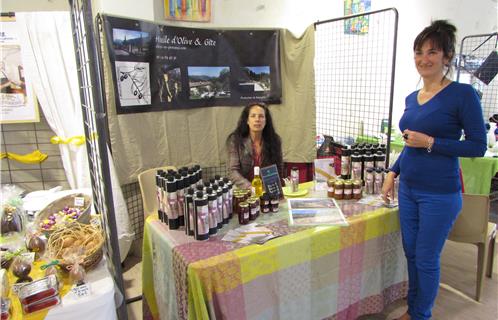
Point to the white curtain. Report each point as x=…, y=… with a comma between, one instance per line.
x=49, y=60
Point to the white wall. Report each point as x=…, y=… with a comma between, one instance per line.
x=470, y=17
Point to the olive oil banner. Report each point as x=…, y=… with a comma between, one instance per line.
x=158, y=67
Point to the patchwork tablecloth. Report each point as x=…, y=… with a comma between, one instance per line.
x=310, y=273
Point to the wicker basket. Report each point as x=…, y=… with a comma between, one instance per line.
x=82, y=232
x=59, y=204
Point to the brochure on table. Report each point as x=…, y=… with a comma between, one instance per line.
x=315, y=211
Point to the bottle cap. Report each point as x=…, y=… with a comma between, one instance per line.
x=256, y=171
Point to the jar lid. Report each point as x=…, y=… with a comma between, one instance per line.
x=348, y=183
x=339, y=182
x=357, y=182
x=243, y=204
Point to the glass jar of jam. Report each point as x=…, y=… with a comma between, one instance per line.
x=239, y=198
x=348, y=190
x=357, y=189
x=339, y=189
x=243, y=213
x=252, y=208
x=265, y=203
x=274, y=203
x=258, y=206
x=330, y=187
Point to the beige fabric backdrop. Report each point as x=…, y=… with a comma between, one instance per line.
x=142, y=141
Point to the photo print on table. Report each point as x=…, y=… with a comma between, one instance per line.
x=209, y=82
x=133, y=83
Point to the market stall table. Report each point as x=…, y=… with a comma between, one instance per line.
x=99, y=305
x=310, y=273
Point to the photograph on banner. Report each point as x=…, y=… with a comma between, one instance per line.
x=16, y=96
x=160, y=68
x=358, y=25
x=188, y=10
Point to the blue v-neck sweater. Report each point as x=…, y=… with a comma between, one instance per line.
x=444, y=116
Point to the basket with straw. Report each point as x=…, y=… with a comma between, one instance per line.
x=87, y=237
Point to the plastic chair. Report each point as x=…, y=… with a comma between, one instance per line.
x=473, y=226
x=147, y=182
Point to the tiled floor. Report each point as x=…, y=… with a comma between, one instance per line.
x=454, y=302
x=132, y=277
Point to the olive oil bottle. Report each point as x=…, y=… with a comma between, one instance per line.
x=257, y=183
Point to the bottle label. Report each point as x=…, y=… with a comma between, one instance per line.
x=219, y=202
x=172, y=209
x=213, y=214
x=159, y=194
x=190, y=208
x=202, y=219
x=225, y=209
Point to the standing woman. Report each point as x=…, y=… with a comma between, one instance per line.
x=430, y=190
x=253, y=143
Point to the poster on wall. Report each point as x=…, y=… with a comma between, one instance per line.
x=358, y=25
x=188, y=10
x=159, y=68
x=17, y=102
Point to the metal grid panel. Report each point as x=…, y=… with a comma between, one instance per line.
x=94, y=117
x=474, y=50
x=134, y=204
x=354, y=76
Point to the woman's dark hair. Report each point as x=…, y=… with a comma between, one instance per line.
x=272, y=145
x=441, y=34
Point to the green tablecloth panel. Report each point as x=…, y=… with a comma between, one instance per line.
x=477, y=172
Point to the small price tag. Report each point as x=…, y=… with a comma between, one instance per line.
x=16, y=286
x=79, y=201
x=82, y=290
x=29, y=257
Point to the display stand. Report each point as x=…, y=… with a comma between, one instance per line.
x=354, y=76
x=476, y=66
x=96, y=134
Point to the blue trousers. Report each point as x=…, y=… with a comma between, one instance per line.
x=426, y=219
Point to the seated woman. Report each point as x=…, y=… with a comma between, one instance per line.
x=253, y=143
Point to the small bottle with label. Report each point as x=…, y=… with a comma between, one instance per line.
x=180, y=195
x=172, y=203
x=219, y=202
x=159, y=196
x=229, y=184
x=294, y=179
x=257, y=183
x=189, y=212
x=213, y=210
x=201, y=216
x=346, y=163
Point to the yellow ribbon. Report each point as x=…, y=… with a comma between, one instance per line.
x=30, y=158
x=75, y=140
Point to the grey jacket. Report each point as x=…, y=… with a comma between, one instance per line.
x=240, y=163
